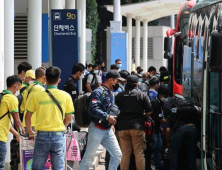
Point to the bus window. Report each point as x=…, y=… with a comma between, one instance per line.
x=180, y=42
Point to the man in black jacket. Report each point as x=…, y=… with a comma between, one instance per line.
x=71, y=85
x=158, y=118
x=132, y=104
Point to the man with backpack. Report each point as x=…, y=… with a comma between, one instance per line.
x=92, y=80
x=158, y=118
x=183, y=122
x=53, y=109
x=35, y=87
x=100, y=131
x=8, y=109
x=154, y=85
x=71, y=86
x=132, y=104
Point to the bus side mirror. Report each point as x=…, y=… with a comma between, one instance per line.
x=167, y=47
x=215, y=64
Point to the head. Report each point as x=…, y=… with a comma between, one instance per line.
x=89, y=67
x=30, y=76
x=13, y=83
x=162, y=69
x=139, y=70
x=53, y=76
x=95, y=69
x=23, y=68
x=78, y=71
x=112, y=78
x=132, y=82
x=164, y=78
x=133, y=73
x=101, y=64
x=118, y=63
x=114, y=67
x=152, y=71
x=154, y=83
x=163, y=93
x=144, y=76
x=40, y=75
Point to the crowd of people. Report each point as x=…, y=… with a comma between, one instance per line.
x=139, y=97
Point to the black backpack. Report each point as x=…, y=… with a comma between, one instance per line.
x=84, y=81
x=81, y=105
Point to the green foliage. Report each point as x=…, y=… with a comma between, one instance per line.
x=92, y=22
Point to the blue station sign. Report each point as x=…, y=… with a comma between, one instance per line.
x=64, y=33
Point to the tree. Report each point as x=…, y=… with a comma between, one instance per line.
x=92, y=22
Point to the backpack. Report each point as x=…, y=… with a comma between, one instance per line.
x=176, y=109
x=20, y=96
x=81, y=105
x=7, y=113
x=84, y=81
x=149, y=129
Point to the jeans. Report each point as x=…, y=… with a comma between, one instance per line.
x=108, y=140
x=132, y=140
x=46, y=143
x=186, y=135
x=157, y=151
x=3, y=151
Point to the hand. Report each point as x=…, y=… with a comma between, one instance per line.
x=161, y=130
x=113, y=128
x=112, y=120
x=31, y=133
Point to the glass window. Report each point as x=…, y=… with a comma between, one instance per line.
x=180, y=42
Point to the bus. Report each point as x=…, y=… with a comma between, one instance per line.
x=197, y=73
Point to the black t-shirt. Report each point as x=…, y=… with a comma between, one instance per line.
x=71, y=87
x=132, y=104
x=157, y=115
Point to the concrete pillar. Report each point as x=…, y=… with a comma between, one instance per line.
x=2, y=28
x=129, y=53
x=8, y=25
x=145, y=45
x=117, y=11
x=172, y=25
x=9, y=38
x=53, y=4
x=137, y=45
x=35, y=33
x=70, y=4
x=81, y=5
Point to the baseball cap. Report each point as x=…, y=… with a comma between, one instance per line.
x=30, y=73
x=132, y=79
x=139, y=68
x=164, y=76
x=124, y=74
x=114, y=74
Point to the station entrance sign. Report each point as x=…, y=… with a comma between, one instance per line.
x=64, y=33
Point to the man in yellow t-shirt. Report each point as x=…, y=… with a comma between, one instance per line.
x=37, y=86
x=8, y=109
x=50, y=121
